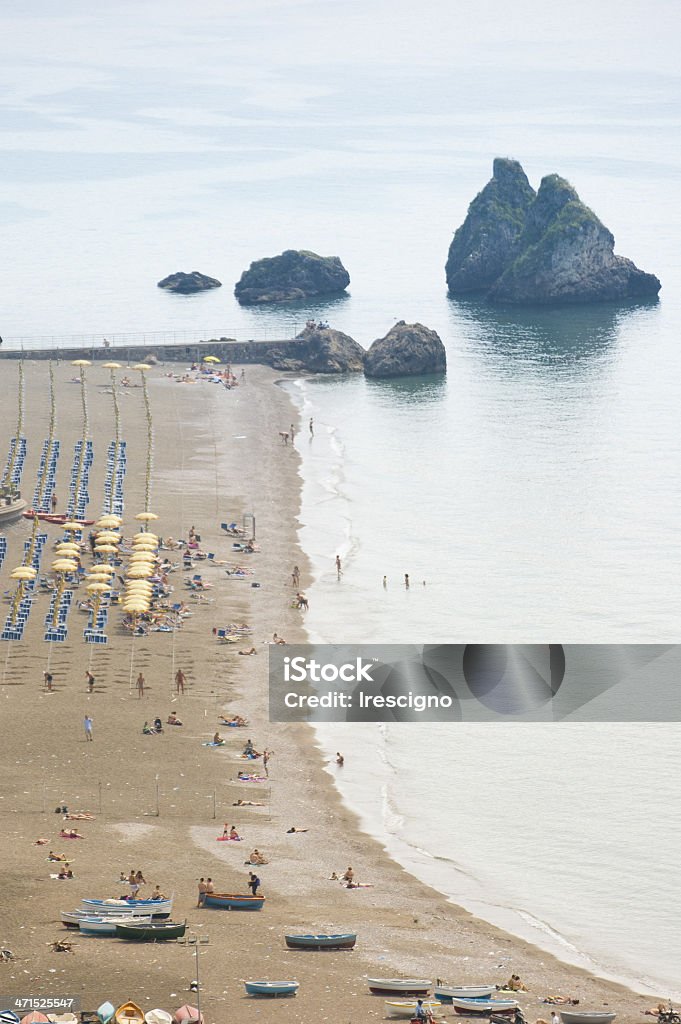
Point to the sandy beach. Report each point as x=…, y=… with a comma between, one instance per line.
x=160, y=801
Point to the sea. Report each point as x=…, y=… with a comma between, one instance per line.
x=532, y=494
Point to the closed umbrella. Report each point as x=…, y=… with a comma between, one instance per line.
x=109, y=520
x=65, y=565
x=24, y=572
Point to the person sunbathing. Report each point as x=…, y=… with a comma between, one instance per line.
x=80, y=816
x=41, y=842
x=237, y=720
x=230, y=832
x=217, y=740
x=70, y=833
x=65, y=872
x=278, y=639
x=294, y=829
x=173, y=719
x=148, y=730
x=515, y=984
x=348, y=875
x=56, y=856
x=247, y=803
x=246, y=653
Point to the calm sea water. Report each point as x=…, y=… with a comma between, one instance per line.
x=535, y=490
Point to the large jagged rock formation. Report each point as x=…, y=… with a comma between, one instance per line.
x=321, y=350
x=296, y=274
x=406, y=350
x=487, y=241
x=519, y=247
x=187, y=284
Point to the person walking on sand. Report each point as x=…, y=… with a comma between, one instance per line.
x=295, y=577
x=54, y=503
x=266, y=755
x=253, y=883
x=180, y=680
x=406, y=580
x=90, y=679
x=48, y=677
x=292, y=432
x=87, y=723
x=202, y=892
x=339, y=569
x=140, y=686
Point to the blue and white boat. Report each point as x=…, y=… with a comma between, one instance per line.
x=153, y=908
x=271, y=988
x=483, y=1007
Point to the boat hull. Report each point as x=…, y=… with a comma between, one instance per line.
x=584, y=1017
x=406, y=1008
x=158, y=1017
x=483, y=1007
x=121, y=908
x=346, y=941
x=187, y=1015
x=161, y=932
x=106, y=1012
x=416, y=987
x=233, y=901
x=445, y=993
x=271, y=989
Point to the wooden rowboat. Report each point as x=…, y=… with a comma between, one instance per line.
x=271, y=988
x=62, y=1018
x=152, y=931
x=129, y=1013
x=34, y=1017
x=483, y=1007
x=233, y=901
x=586, y=1017
x=343, y=941
x=187, y=1015
x=445, y=993
x=106, y=1012
x=8, y=1017
x=121, y=908
x=402, y=986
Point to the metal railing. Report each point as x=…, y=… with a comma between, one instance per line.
x=118, y=340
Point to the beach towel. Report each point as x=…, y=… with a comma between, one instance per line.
x=227, y=839
x=211, y=744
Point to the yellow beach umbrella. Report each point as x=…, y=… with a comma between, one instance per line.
x=146, y=517
x=108, y=535
x=112, y=366
x=98, y=587
x=140, y=572
x=23, y=572
x=67, y=549
x=106, y=549
x=72, y=527
x=141, y=584
x=137, y=604
x=150, y=545
x=109, y=520
x=144, y=555
x=81, y=362
x=210, y=359
x=103, y=569
x=144, y=536
x=65, y=565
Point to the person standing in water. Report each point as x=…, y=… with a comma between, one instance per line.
x=406, y=580
x=311, y=427
x=339, y=569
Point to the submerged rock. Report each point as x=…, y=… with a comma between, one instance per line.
x=519, y=247
x=406, y=350
x=295, y=274
x=321, y=350
x=186, y=284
